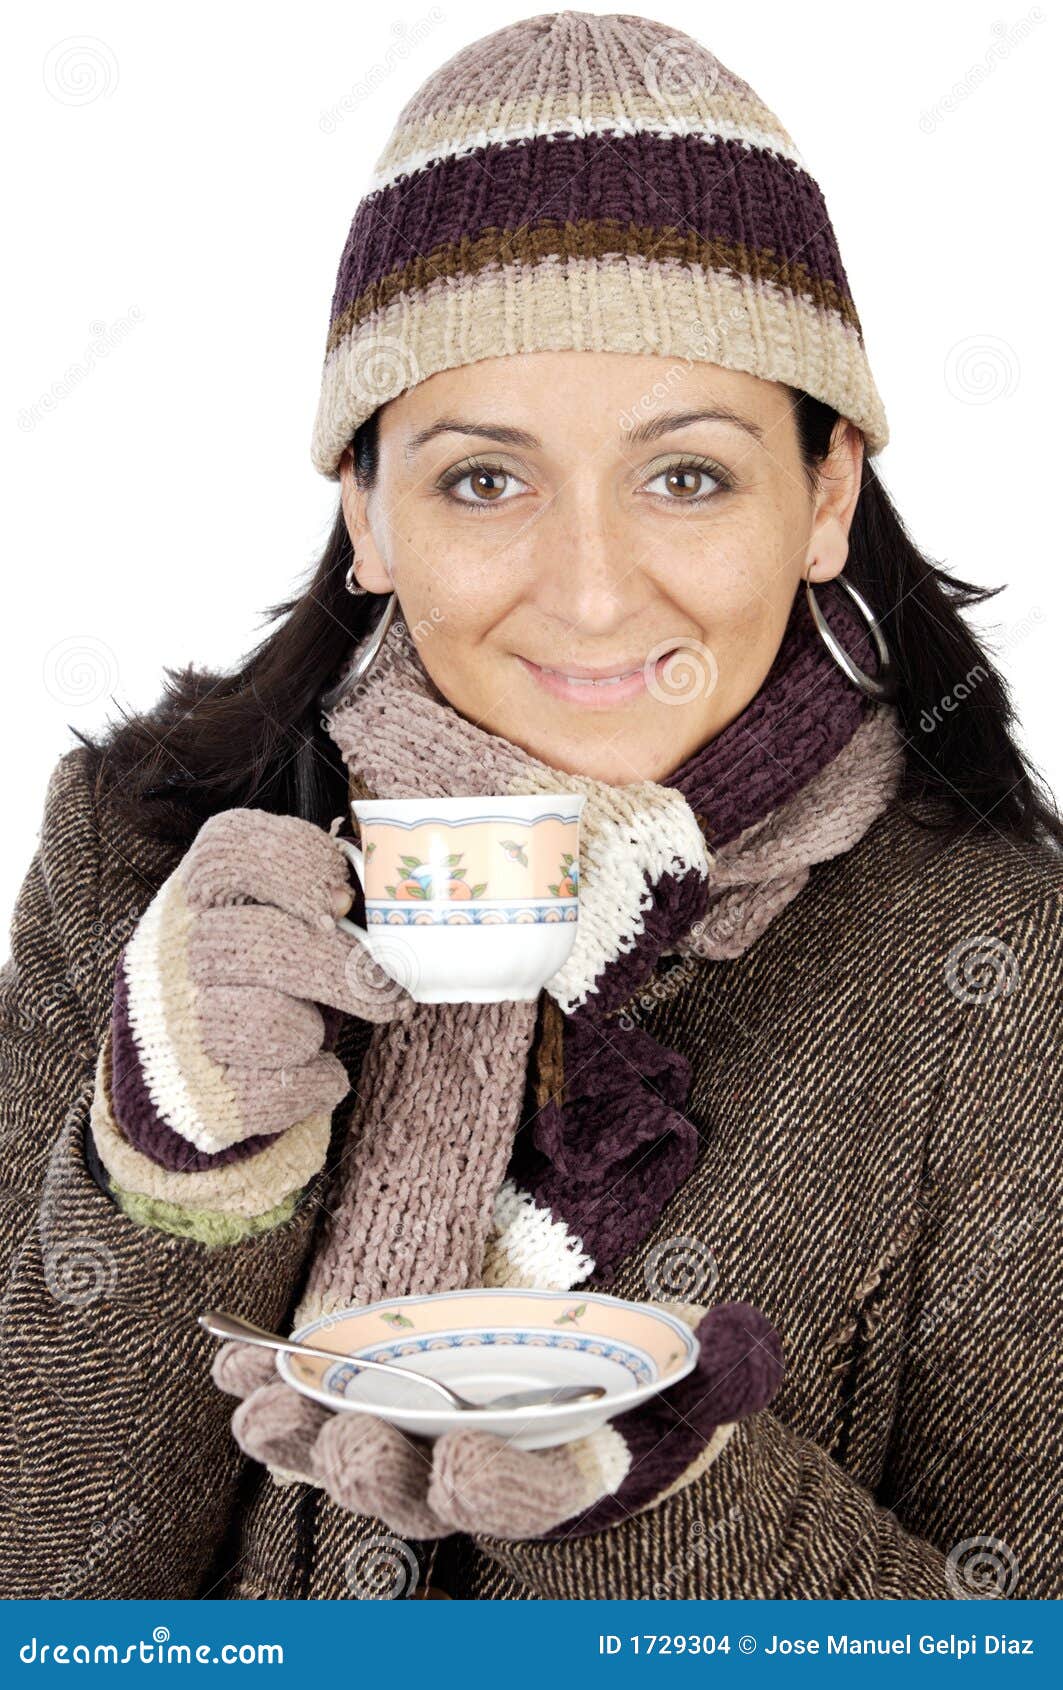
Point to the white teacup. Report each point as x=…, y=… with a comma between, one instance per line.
x=468, y=900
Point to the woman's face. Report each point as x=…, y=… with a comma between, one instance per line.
x=554, y=520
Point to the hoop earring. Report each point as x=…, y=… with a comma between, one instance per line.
x=882, y=686
x=351, y=581
x=368, y=651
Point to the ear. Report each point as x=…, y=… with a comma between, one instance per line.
x=370, y=569
x=840, y=475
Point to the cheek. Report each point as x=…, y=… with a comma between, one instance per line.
x=465, y=587
x=451, y=603
x=739, y=590
x=728, y=591
x=744, y=574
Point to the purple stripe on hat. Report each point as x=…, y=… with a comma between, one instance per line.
x=719, y=190
x=142, y=1125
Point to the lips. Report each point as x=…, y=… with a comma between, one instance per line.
x=609, y=680
x=598, y=688
x=602, y=671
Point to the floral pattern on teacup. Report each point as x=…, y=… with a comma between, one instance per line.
x=418, y=879
x=499, y=859
x=567, y=885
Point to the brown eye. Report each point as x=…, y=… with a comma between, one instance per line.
x=486, y=482
x=683, y=480
x=480, y=485
x=688, y=484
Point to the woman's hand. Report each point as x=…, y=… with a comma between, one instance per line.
x=219, y=1082
x=471, y=1481
x=265, y=892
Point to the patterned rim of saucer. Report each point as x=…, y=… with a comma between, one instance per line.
x=656, y=1348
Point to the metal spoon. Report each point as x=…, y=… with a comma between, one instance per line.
x=222, y=1325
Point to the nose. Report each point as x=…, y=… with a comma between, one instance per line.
x=586, y=573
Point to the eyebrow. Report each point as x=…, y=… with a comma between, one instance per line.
x=652, y=429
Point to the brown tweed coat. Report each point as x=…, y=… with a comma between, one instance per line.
x=879, y=1170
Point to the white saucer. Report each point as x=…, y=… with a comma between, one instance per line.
x=484, y=1342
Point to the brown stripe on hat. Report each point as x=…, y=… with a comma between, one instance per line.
x=625, y=304
x=527, y=247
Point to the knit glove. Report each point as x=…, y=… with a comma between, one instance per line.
x=475, y=1482
x=216, y=1088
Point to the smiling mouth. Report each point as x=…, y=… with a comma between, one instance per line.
x=592, y=680
x=597, y=686
x=583, y=676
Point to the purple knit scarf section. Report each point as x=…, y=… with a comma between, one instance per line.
x=606, y=1156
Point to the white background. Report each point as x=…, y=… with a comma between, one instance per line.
x=181, y=182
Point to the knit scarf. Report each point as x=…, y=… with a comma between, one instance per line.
x=439, y=1185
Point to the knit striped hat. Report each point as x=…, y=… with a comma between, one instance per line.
x=595, y=183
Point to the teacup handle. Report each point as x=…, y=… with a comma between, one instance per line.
x=356, y=858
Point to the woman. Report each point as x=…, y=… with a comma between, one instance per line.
x=597, y=399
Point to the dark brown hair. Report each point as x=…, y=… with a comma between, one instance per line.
x=253, y=737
